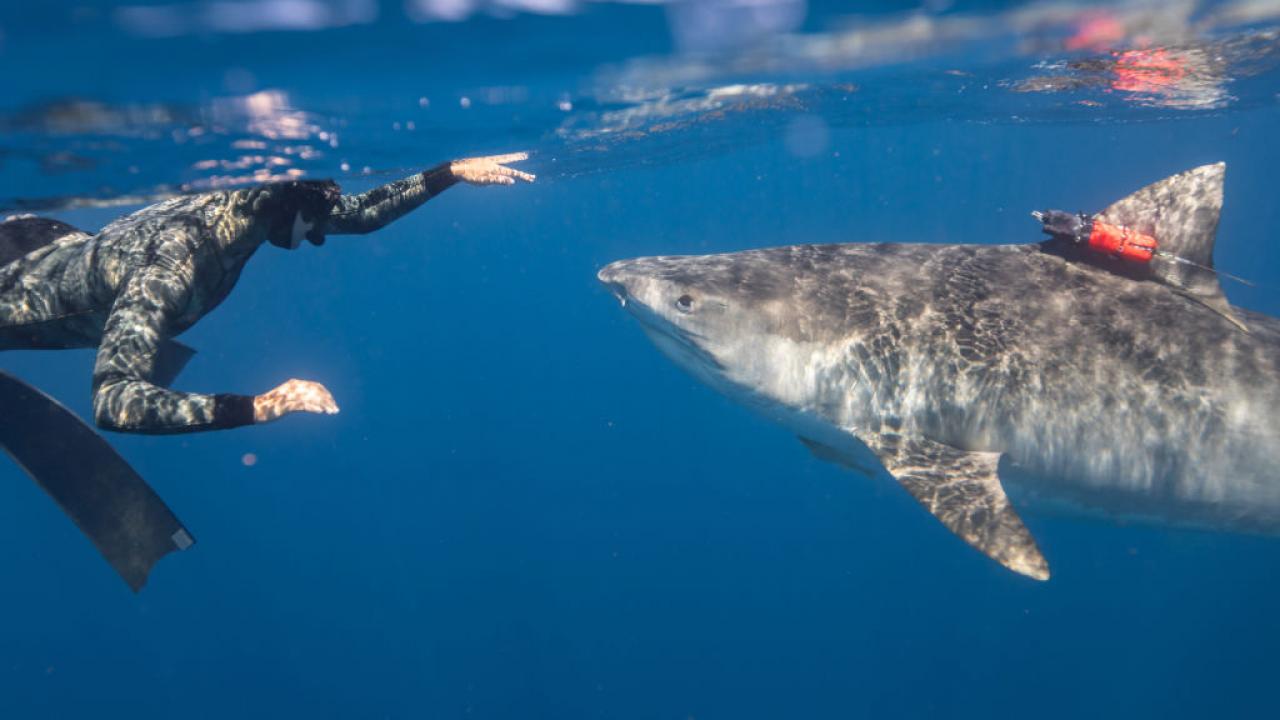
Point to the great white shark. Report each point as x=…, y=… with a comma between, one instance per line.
x=1133, y=390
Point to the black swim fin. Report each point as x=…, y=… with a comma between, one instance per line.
x=130, y=525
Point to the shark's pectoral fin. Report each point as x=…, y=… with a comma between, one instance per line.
x=962, y=490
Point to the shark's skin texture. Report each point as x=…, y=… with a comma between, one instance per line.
x=1117, y=391
x=151, y=275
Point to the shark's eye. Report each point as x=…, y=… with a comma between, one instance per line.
x=684, y=303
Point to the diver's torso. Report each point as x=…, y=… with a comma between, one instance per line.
x=63, y=293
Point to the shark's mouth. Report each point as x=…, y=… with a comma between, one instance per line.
x=679, y=344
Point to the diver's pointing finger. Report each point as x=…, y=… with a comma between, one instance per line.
x=322, y=401
x=508, y=158
x=520, y=175
x=317, y=399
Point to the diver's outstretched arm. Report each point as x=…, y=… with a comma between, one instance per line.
x=126, y=399
x=366, y=212
x=124, y=396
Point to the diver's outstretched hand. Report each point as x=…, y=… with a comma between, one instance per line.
x=291, y=397
x=491, y=170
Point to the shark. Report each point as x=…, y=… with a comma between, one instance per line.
x=987, y=379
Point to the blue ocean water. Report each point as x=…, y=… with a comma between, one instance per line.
x=524, y=510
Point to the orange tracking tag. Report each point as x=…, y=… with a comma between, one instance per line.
x=1122, y=242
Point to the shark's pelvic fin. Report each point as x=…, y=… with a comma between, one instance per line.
x=962, y=490
x=1181, y=212
x=826, y=453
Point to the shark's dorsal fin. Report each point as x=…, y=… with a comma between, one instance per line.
x=962, y=490
x=1181, y=213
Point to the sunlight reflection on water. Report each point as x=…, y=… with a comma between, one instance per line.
x=741, y=71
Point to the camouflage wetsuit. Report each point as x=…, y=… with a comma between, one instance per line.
x=149, y=276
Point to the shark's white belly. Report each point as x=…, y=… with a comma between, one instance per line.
x=1212, y=485
x=1225, y=477
x=1070, y=460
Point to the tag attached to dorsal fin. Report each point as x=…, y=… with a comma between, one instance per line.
x=1181, y=212
x=962, y=490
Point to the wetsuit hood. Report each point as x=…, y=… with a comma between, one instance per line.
x=294, y=210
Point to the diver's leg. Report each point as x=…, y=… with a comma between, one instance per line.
x=31, y=311
x=121, y=514
x=26, y=298
x=21, y=234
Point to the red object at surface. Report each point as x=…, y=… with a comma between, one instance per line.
x=1096, y=31
x=1122, y=242
x=1147, y=71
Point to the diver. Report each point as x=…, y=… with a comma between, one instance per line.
x=149, y=276
x=129, y=290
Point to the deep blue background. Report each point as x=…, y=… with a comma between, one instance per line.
x=525, y=511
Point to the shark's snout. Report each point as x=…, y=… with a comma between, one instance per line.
x=614, y=276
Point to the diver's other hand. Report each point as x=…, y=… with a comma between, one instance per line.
x=490, y=170
x=291, y=397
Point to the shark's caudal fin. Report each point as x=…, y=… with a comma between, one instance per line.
x=1181, y=212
